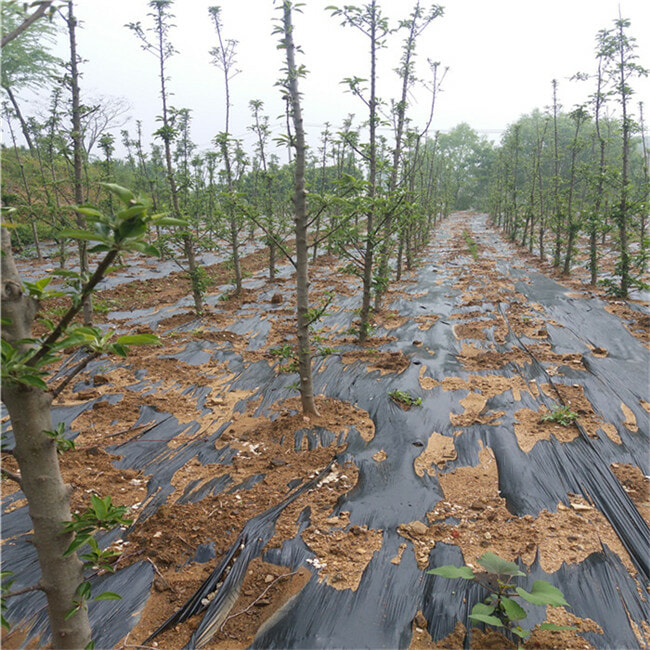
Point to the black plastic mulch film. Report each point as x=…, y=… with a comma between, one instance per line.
x=380, y=613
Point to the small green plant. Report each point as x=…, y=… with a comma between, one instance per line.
x=314, y=314
x=58, y=435
x=404, y=398
x=499, y=609
x=354, y=330
x=6, y=585
x=104, y=306
x=471, y=245
x=287, y=356
x=561, y=415
x=380, y=283
x=39, y=291
x=200, y=280
x=102, y=514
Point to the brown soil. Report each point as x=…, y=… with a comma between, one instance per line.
x=471, y=495
x=264, y=444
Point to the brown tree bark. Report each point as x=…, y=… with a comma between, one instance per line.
x=300, y=219
x=77, y=151
x=41, y=481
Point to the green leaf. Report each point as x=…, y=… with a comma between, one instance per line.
x=483, y=609
x=494, y=564
x=132, y=228
x=490, y=620
x=513, y=609
x=118, y=349
x=139, y=339
x=107, y=595
x=150, y=249
x=32, y=380
x=129, y=213
x=77, y=542
x=90, y=645
x=543, y=593
x=553, y=627
x=72, y=612
x=99, y=506
x=126, y=196
x=451, y=571
x=89, y=211
x=99, y=248
x=520, y=632
x=66, y=273
x=83, y=590
x=169, y=221
x=86, y=235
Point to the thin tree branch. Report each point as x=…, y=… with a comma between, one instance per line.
x=26, y=590
x=243, y=611
x=46, y=346
x=73, y=373
x=39, y=13
x=12, y=476
x=268, y=233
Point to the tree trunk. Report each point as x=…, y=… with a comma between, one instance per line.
x=369, y=252
x=77, y=146
x=41, y=481
x=19, y=115
x=301, y=222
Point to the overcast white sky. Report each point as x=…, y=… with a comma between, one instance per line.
x=501, y=54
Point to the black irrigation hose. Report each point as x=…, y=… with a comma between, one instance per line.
x=593, y=476
x=226, y=580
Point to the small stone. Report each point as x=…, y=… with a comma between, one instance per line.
x=100, y=405
x=269, y=578
x=418, y=528
x=158, y=534
x=361, y=551
x=277, y=462
x=277, y=299
x=263, y=602
x=88, y=394
x=333, y=521
x=581, y=507
x=100, y=380
x=160, y=585
x=488, y=536
x=420, y=621
x=356, y=530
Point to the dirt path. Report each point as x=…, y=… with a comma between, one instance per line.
x=289, y=532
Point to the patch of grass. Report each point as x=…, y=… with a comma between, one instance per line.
x=561, y=415
x=102, y=306
x=404, y=398
x=471, y=245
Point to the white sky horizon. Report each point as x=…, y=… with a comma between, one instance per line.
x=501, y=55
